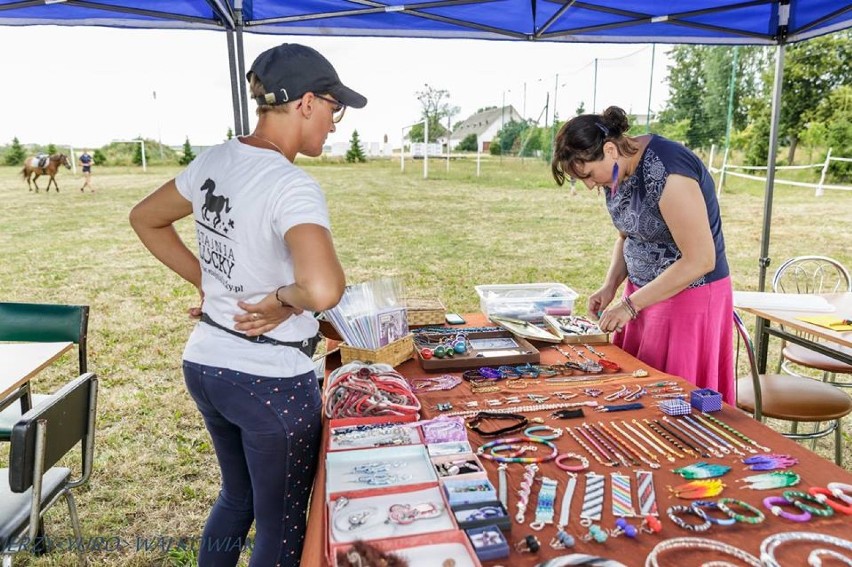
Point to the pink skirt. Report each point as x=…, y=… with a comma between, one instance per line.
x=689, y=335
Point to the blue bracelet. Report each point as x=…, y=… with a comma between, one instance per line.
x=555, y=433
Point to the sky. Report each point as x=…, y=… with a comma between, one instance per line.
x=88, y=86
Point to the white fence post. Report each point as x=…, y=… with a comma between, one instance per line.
x=478, y=153
x=722, y=174
x=819, y=190
x=710, y=161
x=73, y=160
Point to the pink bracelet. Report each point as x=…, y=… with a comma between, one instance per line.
x=774, y=503
x=584, y=462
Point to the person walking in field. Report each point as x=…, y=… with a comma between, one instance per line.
x=86, y=163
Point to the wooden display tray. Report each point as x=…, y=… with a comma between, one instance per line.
x=525, y=353
x=595, y=339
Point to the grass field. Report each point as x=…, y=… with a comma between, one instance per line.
x=155, y=473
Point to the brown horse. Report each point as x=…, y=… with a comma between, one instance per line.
x=32, y=169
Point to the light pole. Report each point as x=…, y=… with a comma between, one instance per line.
x=595, y=89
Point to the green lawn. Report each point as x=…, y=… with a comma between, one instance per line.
x=155, y=472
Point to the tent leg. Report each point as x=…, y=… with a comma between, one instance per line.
x=241, y=66
x=235, y=84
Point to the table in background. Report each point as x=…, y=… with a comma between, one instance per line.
x=814, y=470
x=790, y=320
x=20, y=362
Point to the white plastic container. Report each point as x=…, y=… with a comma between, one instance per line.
x=527, y=302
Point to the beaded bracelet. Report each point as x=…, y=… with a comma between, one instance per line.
x=501, y=444
x=795, y=498
x=554, y=432
x=678, y=509
x=584, y=462
x=711, y=505
x=774, y=503
x=725, y=506
x=824, y=496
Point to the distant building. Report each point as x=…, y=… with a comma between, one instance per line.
x=485, y=125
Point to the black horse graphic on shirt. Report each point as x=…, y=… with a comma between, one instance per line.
x=214, y=203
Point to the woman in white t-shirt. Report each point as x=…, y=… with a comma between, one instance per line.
x=260, y=222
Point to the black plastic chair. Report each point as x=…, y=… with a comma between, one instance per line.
x=32, y=483
x=791, y=398
x=39, y=323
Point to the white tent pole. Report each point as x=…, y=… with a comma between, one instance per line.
x=426, y=149
x=402, y=150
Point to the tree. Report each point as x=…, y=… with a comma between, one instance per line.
x=230, y=134
x=435, y=111
x=51, y=149
x=99, y=157
x=580, y=109
x=355, y=154
x=188, y=155
x=15, y=155
x=510, y=135
x=812, y=69
x=137, y=152
x=468, y=144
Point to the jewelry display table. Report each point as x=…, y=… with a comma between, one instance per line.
x=814, y=471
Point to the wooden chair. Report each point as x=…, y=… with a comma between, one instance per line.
x=791, y=398
x=39, y=323
x=811, y=274
x=32, y=483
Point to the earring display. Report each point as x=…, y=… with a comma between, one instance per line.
x=370, y=468
x=388, y=515
x=372, y=435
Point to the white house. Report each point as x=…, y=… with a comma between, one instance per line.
x=485, y=125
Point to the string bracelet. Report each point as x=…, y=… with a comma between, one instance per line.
x=278, y=297
x=773, y=542
x=800, y=499
x=699, y=543
x=555, y=433
x=360, y=390
x=726, y=504
x=627, y=302
x=841, y=491
x=774, y=504
x=673, y=512
x=824, y=496
x=520, y=421
x=584, y=462
x=733, y=431
x=511, y=443
x=435, y=383
x=712, y=505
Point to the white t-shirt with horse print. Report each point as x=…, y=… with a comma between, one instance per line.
x=244, y=199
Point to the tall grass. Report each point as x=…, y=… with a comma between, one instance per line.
x=155, y=472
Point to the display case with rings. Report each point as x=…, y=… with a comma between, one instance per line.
x=482, y=514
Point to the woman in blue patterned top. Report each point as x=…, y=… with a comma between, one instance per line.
x=675, y=310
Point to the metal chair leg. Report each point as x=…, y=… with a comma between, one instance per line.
x=75, y=524
x=814, y=439
x=794, y=428
x=838, y=445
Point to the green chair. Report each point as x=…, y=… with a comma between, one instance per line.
x=33, y=483
x=39, y=323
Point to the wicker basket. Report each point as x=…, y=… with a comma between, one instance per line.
x=422, y=312
x=394, y=354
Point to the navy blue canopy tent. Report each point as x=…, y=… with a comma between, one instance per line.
x=726, y=22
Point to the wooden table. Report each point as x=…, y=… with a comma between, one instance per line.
x=814, y=471
x=789, y=327
x=19, y=362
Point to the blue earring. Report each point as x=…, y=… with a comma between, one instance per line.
x=613, y=188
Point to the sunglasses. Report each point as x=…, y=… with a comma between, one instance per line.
x=337, y=109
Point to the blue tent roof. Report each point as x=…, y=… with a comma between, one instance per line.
x=614, y=21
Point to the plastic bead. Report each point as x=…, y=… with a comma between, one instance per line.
x=426, y=353
x=562, y=540
x=440, y=351
x=597, y=534
x=460, y=347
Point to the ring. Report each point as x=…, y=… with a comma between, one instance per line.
x=255, y=316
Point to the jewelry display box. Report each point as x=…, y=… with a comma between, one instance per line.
x=467, y=466
x=422, y=312
x=368, y=516
x=488, y=542
x=372, y=432
x=394, y=353
x=485, y=348
x=469, y=491
x=444, y=549
x=527, y=302
x=348, y=471
x=482, y=514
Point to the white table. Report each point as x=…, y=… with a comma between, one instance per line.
x=20, y=362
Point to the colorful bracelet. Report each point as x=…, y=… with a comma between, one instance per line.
x=712, y=505
x=502, y=444
x=555, y=433
x=824, y=496
x=725, y=506
x=796, y=499
x=584, y=462
x=678, y=509
x=841, y=491
x=774, y=503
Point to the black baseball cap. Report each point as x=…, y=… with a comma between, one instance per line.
x=290, y=70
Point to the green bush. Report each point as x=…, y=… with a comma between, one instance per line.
x=468, y=144
x=495, y=149
x=15, y=155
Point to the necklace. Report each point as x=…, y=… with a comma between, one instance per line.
x=267, y=141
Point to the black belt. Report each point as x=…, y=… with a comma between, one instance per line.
x=307, y=346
